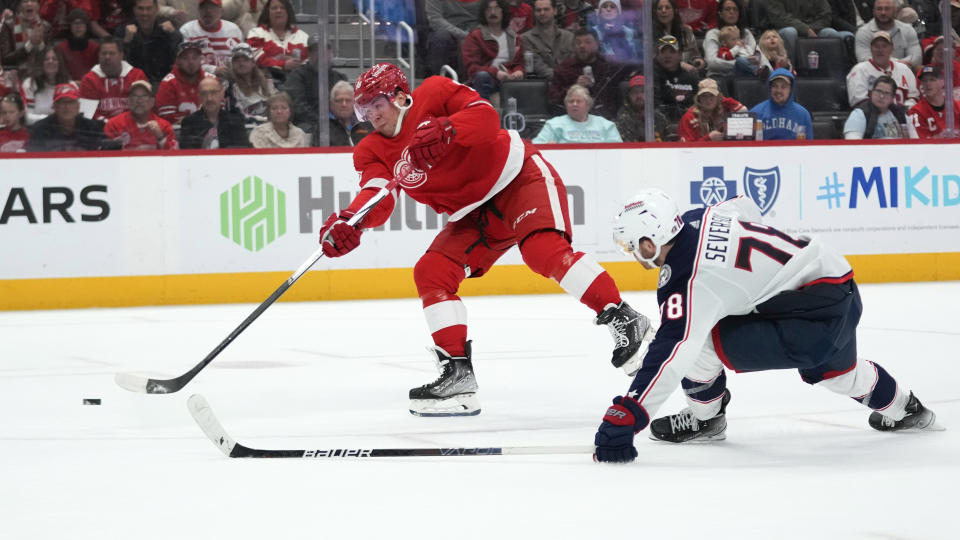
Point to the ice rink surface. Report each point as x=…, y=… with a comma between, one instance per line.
x=799, y=462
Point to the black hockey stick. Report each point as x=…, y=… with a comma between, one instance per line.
x=137, y=383
x=203, y=414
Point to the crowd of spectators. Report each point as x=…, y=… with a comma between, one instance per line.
x=165, y=74
x=701, y=49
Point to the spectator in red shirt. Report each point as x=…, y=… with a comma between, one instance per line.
x=113, y=13
x=699, y=15
x=23, y=34
x=521, y=16
x=177, y=96
x=139, y=128
x=13, y=134
x=110, y=81
x=277, y=42
x=492, y=52
x=933, y=55
x=56, y=11
x=707, y=119
x=929, y=114
x=79, y=51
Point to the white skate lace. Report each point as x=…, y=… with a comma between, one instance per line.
x=618, y=329
x=683, y=421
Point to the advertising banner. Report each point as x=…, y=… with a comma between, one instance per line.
x=170, y=215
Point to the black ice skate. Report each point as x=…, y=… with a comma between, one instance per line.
x=918, y=417
x=454, y=393
x=624, y=325
x=685, y=427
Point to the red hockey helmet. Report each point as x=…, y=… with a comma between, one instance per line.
x=383, y=79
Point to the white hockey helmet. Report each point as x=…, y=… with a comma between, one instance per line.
x=652, y=214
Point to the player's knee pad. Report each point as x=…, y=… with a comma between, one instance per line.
x=435, y=273
x=548, y=253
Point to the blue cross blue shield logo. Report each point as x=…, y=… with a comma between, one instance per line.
x=763, y=186
x=713, y=189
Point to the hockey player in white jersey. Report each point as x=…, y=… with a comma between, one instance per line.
x=738, y=294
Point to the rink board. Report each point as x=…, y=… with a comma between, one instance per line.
x=105, y=230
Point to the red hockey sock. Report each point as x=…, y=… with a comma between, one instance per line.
x=549, y=254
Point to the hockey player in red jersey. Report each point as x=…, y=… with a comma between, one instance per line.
x=444, y=144
x=739, y=294
x=109, y=82
x=929, y=114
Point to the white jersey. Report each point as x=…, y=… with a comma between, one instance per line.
x=723, y=262
x=220, y=41
x=861, y=77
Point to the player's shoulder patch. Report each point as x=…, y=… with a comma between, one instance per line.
x=665, y=274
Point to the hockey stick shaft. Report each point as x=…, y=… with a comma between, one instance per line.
x=208, y=422
x=166, y=386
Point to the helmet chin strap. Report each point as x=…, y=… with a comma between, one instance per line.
x=650, y=261
x=403, y=112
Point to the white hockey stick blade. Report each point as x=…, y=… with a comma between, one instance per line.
x=133, y=383
x=203, y=414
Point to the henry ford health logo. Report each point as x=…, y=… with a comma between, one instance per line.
x=253, y=213
x=763, y=186
x=410, y=177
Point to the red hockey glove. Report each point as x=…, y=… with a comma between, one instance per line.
x=614, y=438
x=338, y=238
x=431, y=141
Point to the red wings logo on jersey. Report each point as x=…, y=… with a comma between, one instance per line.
x=410, y=177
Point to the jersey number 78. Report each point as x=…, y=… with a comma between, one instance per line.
x=749, y=244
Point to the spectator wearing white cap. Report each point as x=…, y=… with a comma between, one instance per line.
x=906, y=44
x=139, y=128
x=249, y=88
x=220, y=36
x=860, y=79
x=706, y=120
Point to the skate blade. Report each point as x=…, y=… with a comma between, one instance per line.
x=698, y=440
x=459, y=405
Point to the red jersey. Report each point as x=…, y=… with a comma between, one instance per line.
x=271, y=51
x=482, y=160
x=929, y=121
x=13, y=141
x=135, y=137
x=79, y=62
x=177, y=97
x=112, y=93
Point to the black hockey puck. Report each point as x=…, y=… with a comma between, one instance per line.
x=91, y=401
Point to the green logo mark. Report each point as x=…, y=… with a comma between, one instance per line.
x=253, y=213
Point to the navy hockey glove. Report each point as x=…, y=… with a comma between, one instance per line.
x=614, y=438
x=430, y=142
x=338, y=238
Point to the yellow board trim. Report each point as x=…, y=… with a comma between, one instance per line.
x=65, y=293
